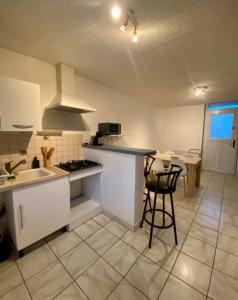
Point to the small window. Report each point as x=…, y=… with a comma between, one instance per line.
x=221, y=126
x=220, y=106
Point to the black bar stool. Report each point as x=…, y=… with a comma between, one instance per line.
x=165, y=185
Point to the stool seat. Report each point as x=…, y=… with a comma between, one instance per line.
x=163, y=188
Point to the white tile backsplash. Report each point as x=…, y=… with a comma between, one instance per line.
x=67, y=147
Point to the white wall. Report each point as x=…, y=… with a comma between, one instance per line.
x=183, y=128
x=141, y=121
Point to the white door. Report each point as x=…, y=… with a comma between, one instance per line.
x=220, y=141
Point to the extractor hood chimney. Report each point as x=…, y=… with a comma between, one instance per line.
x=66, y=100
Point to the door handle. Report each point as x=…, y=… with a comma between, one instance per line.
x=19, y=126
x=234, y=144
x=21, y=216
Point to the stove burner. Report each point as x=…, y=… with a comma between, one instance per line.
x=77, y=165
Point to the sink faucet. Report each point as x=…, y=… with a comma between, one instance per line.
x=10, y=169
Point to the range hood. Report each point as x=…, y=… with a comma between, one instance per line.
x=66, y=100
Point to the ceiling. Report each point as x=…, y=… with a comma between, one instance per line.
x=182, y=44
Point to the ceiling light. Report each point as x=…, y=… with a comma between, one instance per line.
x=200, y=90
x=135, y=36
x=116, y=12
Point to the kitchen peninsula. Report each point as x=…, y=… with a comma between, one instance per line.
x=122, y=182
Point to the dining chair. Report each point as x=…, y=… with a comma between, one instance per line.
x=196, y=152
x=169, y=152
x=184, y=173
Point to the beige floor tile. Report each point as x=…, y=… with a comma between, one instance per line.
x=211, y=204
x=207, y=222
x=183, y=212
x=35, y=261
x=138, y=239
x=99, y=280
x=73, y=292
x=64, y=243
x=162, y=254
x=79, y=259
x=121, y=256
x=229, y=218
x=228, y=244
x=116, y=228
x=210, y=212
x=199, y=250
x=102, y=219
x=102, y=240
x=183, y=223
x=223, y=287
x=19, y=293
x=87, y=229
x=167, y=236
x=49, y=282
x=147, y=277
x=126, y=291
x=229, y=229
x=175, y=289
x=10, y=276
x=204, y=234
x=192, y=272
x=226, y=263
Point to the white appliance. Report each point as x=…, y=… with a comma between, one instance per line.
x=66, y=99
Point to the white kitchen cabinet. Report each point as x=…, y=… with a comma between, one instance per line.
x=20, y=108
x=37, y=210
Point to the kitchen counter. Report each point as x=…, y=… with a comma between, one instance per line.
x=122, y=181
x=13, y=185
x=126, y=150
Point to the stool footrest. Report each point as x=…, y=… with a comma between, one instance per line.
x=157, y=226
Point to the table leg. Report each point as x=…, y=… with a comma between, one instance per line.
x=198, y=175
x=191, y=181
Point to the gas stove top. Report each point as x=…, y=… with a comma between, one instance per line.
x=77, y=165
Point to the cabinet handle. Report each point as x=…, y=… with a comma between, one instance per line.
x=21, y=215
x=19, y=126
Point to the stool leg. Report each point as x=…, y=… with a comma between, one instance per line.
x=143, y=216
x=173, y=215
x=163, y=211
x=152, y=222
x=150, y=202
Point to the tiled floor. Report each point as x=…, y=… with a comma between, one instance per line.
x=101, y=259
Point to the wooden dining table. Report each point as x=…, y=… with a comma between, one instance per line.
x=193, y=165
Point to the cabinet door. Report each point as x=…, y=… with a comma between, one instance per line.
x=20, y=108
x=39, y=210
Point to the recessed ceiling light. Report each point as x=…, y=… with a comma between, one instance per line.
x=116, y=12
x=200, y=90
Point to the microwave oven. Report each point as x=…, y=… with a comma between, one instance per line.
x=109, y=128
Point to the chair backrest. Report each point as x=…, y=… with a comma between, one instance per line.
x=181, y=164
x=170, y=177
x=169, y=152
x=157, y=166
x=196, y=152
x=147, y=164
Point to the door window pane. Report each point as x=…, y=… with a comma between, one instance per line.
x=221, y=126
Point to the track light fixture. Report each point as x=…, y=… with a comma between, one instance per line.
x=135, y=36
x=130, y=17
x=123, y=26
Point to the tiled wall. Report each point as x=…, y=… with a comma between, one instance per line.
x=67, y=147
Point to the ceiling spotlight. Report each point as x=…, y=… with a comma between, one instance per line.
x=116, y=12
x=200, y=90
x=135, y=36
x=123, y=26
